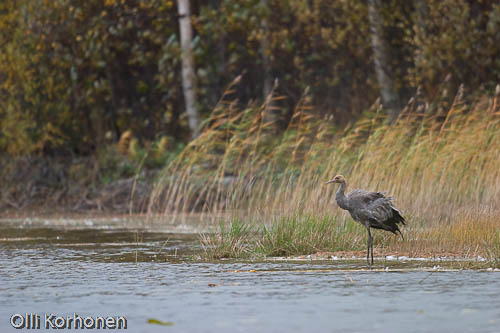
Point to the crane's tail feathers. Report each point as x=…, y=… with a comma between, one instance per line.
x=392, y=223
x=398, y=216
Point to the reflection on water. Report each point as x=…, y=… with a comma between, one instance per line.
x=142, y=274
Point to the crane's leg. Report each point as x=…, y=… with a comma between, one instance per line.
x=369, y=246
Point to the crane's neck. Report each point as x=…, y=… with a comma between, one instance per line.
x=340, y=196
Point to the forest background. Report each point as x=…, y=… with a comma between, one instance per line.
x=94, y=101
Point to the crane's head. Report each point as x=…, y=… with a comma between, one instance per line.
x=336, y=179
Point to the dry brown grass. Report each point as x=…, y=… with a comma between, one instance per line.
x=469, y=236
x=442, y=166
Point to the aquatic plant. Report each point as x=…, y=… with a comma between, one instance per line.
x=297, y=234
x=235, y=242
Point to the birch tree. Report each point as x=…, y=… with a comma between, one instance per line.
x=381, y=60
x=188, y=70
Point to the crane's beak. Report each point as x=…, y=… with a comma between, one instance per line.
x=330, y=181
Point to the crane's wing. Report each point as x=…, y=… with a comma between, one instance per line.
x=362, y=198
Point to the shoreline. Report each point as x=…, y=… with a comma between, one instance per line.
x=163, y=224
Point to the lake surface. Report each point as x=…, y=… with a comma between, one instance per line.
x=142, y=273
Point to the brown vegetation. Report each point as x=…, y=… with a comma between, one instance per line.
x=441, y=164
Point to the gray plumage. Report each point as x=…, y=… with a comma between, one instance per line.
x=371, y=209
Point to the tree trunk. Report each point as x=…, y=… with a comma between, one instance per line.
x=382, y=60
x=188, y=72
x=264, y=49
x=268, y=84
x=420, y=18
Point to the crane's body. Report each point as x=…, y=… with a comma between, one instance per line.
x=371, y=209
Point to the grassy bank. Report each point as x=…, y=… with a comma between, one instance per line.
x=439, y=160
x=326, y=236
x=284, y=236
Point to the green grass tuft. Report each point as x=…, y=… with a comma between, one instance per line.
x=296, y=235
x=234, y=242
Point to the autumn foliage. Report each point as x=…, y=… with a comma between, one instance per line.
x=77, y=74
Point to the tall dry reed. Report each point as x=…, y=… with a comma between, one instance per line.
x=441, y=163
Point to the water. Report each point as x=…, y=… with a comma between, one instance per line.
x=145, y=275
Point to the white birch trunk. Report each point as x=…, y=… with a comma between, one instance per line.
x=381, y=60
x=188, y=71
